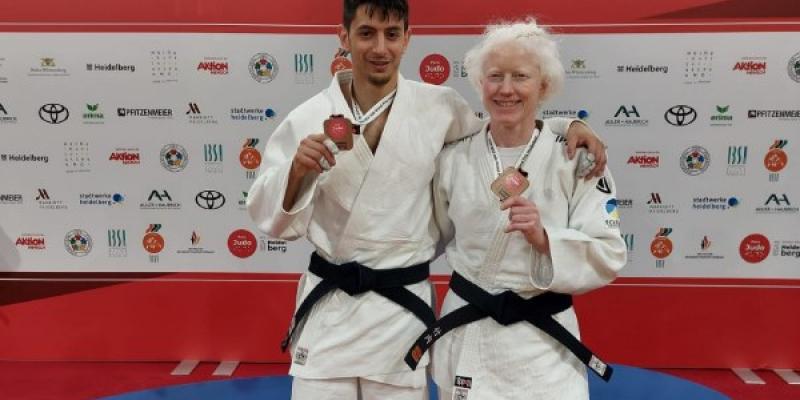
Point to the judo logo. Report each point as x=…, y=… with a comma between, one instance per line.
x=794, y=67
x=263, y=68
x=153, y=242
x=174, y=157
x=242, y=243
x=695, y=160
x=754, y=248
x=434, y=69
x=661, y=246
x=612, y=212
x=776, y=159
x=78, y=242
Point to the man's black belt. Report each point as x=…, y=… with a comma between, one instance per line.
x=354, y=278
x=507, y=308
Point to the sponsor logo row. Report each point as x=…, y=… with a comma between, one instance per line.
x=155, y=200
x=172, y=157
x=753, y=248
x=697, y=67
x=241, y=243
x=94, y=114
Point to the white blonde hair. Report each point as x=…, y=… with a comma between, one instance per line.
x=532, y=38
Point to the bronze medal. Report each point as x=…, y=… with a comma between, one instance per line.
x=510, y=183
x=340, y=130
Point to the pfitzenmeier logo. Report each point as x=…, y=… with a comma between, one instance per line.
x=154, y=113
x=776, y=114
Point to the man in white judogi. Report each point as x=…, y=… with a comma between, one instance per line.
x=370, y=205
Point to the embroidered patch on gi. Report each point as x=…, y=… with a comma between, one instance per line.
x=462, y=386
x=300, y=356
x=604, y=185
x=612, y=214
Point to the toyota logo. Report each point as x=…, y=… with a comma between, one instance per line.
x=209, y=200
x=53, y=113
x=680, y=115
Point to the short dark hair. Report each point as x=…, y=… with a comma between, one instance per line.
x=387, y=8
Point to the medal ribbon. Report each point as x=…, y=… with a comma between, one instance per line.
x=524, y=156
x=376, y=110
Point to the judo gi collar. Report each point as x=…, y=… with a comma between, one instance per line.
x=498, y=165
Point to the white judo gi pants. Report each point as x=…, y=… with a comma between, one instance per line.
x=353, y=389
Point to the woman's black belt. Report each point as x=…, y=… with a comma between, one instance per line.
x=354, y=278
x=507, y=308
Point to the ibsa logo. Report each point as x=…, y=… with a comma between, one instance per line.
x=434, y=69
x=754, y=248
x=242, y=243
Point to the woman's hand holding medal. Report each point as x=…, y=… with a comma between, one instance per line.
x=524, y=218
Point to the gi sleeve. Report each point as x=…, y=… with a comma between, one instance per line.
x=560, y=125
x=441, y=204
x=464, y=121
x=265, y=198
x=589, y=252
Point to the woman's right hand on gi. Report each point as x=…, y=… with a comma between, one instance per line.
x=315, y=153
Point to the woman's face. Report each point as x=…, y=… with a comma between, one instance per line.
x=511, y=85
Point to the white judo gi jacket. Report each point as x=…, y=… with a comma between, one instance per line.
x=519, y=361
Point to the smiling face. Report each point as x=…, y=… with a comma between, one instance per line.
x=511, y=85
x=377, y=42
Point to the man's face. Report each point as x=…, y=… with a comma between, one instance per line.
x=376, y=45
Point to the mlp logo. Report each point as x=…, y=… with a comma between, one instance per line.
x=754, y=248
x=242, y=243
x=776, y=159
x=78, y=242
x=661, y=246
x=250, y=158
x=153, y=242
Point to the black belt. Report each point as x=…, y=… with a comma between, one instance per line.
x=507, y=308
x=354, y=278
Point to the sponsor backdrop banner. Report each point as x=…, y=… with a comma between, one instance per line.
x=134, y=152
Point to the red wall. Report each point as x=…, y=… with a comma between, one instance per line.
x=679, y=323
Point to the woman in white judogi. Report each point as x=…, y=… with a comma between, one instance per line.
x=560, y=235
